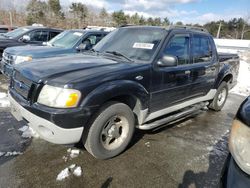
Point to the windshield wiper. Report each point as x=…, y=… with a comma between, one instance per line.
x=119, y=54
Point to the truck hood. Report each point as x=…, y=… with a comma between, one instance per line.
x=71, y=68
x=37, y=51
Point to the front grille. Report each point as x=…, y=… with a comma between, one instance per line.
x=8, y=58
x=22, y=85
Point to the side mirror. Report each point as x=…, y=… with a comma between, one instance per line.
x=167, y=61
x=81, y=47
x=26, y=38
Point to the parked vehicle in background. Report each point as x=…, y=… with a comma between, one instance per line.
x=137, y=76
x=27, y=35
x=236, y=172
x=67, y=42
x=6, y=28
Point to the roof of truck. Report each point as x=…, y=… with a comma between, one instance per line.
x=171, y=27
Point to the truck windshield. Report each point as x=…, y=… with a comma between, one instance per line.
x=66, y=39
x=134, y=43
x=16, y=33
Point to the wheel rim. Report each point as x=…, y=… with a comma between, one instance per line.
x=114, y=132
x=222, y=97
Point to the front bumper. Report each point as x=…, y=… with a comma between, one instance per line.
x=46, y=129
x=233, y=176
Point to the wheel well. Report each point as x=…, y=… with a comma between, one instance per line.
x=126, y=99
x=228, y=78
x=132, y=101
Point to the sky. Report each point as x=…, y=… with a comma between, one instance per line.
x=187, y=11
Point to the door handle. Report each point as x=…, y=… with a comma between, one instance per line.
x=187, y=72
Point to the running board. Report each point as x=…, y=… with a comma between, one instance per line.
x=174, y=117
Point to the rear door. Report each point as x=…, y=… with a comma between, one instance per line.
x=170, y=85
x=204, y=65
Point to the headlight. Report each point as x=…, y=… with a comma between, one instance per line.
x=21, y=59
x=59, y=97
x=239, y=145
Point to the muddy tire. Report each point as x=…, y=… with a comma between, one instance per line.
x=111, y=131
x=220, y=97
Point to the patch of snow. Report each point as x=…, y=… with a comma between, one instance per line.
x=63, y=174
x=72, y=169
x=147, y=144
x=28, y=132
x=13, y=153
x=243, y=84
x=72, y=166
x=210, y=148
x=74, y=153
x=10, y=129
x=4, y=101
x=2, y=154
x=78, y=171
x=3, y=95
x=24, y=128
x=69, y=150
x=65, y=158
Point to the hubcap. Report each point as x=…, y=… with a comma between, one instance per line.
x=222, y=97
x=114, y=132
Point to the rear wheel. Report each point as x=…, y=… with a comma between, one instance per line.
x=111, y=131
x=220, y=97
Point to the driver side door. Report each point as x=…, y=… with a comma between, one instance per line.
x=170, y=84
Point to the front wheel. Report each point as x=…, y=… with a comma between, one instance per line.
x=111, y=131
x=220, y=97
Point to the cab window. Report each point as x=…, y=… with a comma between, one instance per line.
x=53, y=34
x=92, y=40
x=179, y=47
x=40, y=36
x=202, y=51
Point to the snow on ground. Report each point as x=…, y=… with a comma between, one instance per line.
x=78, y=171
x=73, y=152
x=10, y=153
x=63, y=174
x=4, y=101
x=28, y=132
x=243, y=85
x=72, y=169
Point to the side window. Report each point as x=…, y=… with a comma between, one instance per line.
x=53, y=34
x=202, y=51
x=39, y=36
x=179, y=47
x=92, y=40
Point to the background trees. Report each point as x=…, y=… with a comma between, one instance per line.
x=78, y=15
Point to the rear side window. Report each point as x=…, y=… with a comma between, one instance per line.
x=179, y=47
x=53, y=34
x=93, y=38
x=202, y=51
x=39, y=36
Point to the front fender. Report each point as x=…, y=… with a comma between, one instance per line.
x=117, y=88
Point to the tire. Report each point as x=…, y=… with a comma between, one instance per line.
x=220, y=97
x=111, y=131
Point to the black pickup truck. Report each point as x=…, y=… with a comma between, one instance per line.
x=137, y=76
